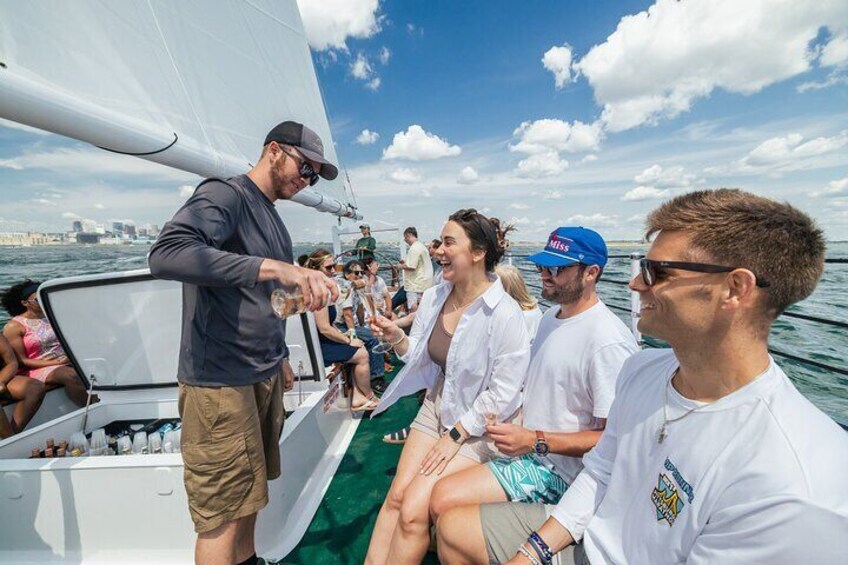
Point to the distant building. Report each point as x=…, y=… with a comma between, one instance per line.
x=129, y=231
x=23, y=238
x=118, y=229
x=77, y=226
x=90, y=238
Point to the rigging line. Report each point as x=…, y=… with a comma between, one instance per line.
x=176, y=138
x=180, y=78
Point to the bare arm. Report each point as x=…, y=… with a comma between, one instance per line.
x=14, y=332
x=515, y=440
x=10, y=362
x=328, y=330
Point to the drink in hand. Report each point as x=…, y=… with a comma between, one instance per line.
x=286, y=303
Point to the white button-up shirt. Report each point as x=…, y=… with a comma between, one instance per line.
x=488, y=357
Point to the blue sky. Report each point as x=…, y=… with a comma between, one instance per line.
x=543, y=113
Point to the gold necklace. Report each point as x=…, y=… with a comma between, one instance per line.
x=455, y=307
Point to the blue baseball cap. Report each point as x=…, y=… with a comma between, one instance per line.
x=567, y=246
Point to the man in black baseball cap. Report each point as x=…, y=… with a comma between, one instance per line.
x=230, y=249
x=307, y=143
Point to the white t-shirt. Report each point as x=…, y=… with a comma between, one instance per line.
x=756, y=477
x=573, y=369
x=532, y=319
x=421, y=278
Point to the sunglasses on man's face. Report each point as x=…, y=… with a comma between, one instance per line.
x=328, y=267
x=307, y=171
x=652, y=271
x=554, y=271
x=356, y=273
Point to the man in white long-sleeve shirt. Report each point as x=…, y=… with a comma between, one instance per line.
x=710, y=454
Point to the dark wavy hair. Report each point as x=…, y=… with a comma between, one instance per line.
x=14, y=295
x=486, y=234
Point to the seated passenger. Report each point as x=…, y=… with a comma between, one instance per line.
x=710, y=453
x=579, y=350
x=469, y=348
x=31, y=336
x=516, y=288
x=338, y=347
x=26, y=392
x=352, y=320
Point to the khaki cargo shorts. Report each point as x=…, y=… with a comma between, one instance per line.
x=230, y=447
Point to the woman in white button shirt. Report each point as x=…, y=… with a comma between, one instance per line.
x=470, y=348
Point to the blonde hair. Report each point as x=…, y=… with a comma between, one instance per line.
x=514, y=285
x=317, y=258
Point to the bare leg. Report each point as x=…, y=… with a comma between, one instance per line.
x=5, y=426
x=217, y=547
x=244, y=542
x=67, y=377
x=460, y=537
x=473, y=486
x=361, y=377
x=412, y=534
x=29, y=393
x=417, y=446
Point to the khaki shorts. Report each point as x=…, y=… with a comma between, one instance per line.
x=230, y=447
x=507, y=525
x=428, y=421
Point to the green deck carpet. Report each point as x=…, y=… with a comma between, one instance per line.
x=341, y=529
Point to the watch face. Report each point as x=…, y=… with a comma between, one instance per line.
x=455, y=435
x=541, y=447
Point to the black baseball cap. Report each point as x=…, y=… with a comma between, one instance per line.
x=306, y=141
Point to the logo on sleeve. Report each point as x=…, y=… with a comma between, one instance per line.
x=666, y=497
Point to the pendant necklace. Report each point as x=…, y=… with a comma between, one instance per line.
x=663, y=431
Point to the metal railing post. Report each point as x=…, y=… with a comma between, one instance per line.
x=635, y=303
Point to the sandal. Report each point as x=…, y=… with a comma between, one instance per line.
x=368, y=406
x=398, y=437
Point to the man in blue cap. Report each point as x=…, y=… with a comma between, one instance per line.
x=577, y=353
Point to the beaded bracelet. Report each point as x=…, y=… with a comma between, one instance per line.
x=523, y=551
x=541, y=548
x=398, y=341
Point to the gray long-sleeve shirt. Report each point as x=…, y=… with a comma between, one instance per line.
x=214, y=245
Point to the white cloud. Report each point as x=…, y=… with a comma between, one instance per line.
x=522, y=221
x=519, y=206
x=374, y=83
x=100, y=206
x=44, y=201
x=468, y=175
x=541, y=165
x=832, y=79
x=71, y=216
x=673, y=177
x=595, y=220
x=426, y=192
x=553, y=195
x=646, y=193
x=786, y=153
x=14, y=164
x=589, y=158
x=360, y=67
x=384, y=55
x=405, y=175
x=550, y=134
x=186, y=191
x=415, y=144
x=835, y=188
x=367, y=137
x=658, y=62
x=558, y=61
x=330, y=23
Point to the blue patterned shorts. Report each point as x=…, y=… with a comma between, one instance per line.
x=528, y=478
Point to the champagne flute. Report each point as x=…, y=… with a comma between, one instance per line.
x=375, y=306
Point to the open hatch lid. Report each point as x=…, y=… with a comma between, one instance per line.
x=122, y=328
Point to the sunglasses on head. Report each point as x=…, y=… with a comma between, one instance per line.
x=653, y=270
x=554, y=271
x=307, y=171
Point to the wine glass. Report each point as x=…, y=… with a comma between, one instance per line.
x=376, y=306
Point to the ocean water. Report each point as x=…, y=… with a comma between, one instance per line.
x=827, y=344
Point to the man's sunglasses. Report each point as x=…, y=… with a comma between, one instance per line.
x=307, y=171
x=554, y=271
x=652, y=270
x=357, y=273
x=328, y=267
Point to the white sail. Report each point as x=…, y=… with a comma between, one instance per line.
x=190, y=84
